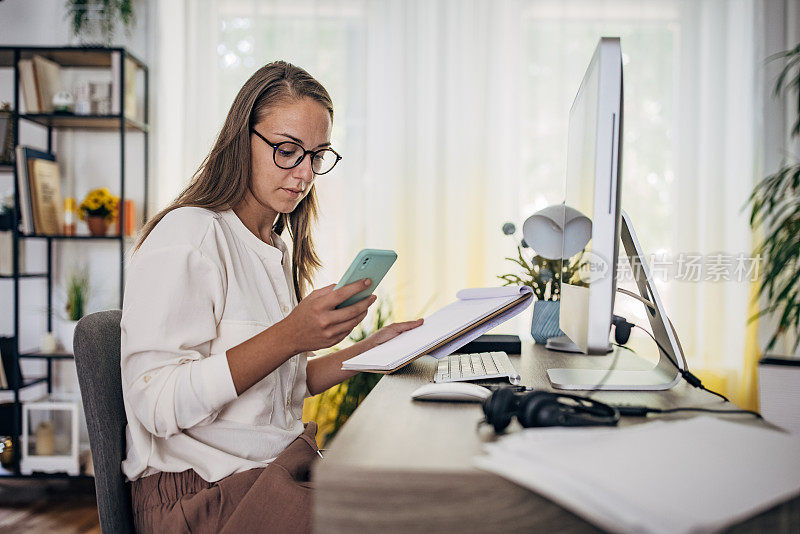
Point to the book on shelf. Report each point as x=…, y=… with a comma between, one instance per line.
x=6, y=253
x=45, y=188
x=28, y=185
x=130, y=85
x=116, y=59
x=130, y=88
x=7, y=355
x=27, y=78
x=3, y=379
x=24, y=195
x=130, y=219
x=41, y=80
x=48, y=81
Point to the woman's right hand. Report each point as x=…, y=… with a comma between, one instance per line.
x=315, y=324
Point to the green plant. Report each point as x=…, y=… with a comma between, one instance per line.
x=7, y=210
x=775, y=207
x=542, y=275
x=106, y=12
x=77, y=295
x=345, y=397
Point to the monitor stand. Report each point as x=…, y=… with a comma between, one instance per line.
x=565, y=344
x=663, y=375
x=562, y=344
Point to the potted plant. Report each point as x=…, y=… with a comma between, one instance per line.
x=7, y=211
x=77, y=297
x=544, y=277
x=94, y=22
x=331, y=408
x=775, y=209
x=99, y=210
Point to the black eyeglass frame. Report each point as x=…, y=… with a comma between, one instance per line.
x=301, y=158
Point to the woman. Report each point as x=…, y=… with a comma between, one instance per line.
x=214, y=341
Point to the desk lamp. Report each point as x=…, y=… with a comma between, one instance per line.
x=558, y=233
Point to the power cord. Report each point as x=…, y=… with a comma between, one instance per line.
x=685, y=373
x=653, y=307
x=643, y=411
x=622, y=325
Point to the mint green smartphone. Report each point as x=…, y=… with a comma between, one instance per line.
x=369, y=263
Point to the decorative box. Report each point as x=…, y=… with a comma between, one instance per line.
x=50, y=437
x=779, y=391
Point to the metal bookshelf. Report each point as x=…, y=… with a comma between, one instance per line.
x=79, y=58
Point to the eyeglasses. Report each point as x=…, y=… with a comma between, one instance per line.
x=288, y=155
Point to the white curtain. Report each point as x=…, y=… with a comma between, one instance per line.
x=451, y=116
x=714, y=162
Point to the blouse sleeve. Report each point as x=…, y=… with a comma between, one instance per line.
x=174, y=298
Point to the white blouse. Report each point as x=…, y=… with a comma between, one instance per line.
x=200, y=284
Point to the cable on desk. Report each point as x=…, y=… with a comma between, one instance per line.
x=685, y=373
x=604, y=379
x=642, y=411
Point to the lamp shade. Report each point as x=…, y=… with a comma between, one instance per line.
x=557, y=232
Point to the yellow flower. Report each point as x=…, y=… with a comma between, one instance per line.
x=99, y=202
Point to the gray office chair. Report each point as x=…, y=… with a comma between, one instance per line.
x=96, y=345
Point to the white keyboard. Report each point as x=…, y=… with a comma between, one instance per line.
x=476, y=366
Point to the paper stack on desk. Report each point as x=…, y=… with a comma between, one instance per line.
x=476, y=311
x=693, y=475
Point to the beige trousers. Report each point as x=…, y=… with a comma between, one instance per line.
x=276, y=498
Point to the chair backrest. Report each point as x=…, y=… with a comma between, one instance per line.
x=97, y=358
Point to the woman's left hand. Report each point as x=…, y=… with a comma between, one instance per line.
x=391, y=331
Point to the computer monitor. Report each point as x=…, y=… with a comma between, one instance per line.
x=592, y=186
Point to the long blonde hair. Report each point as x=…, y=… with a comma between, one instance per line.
x=223, y=179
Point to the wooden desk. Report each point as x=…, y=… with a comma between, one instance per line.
x=403, y=466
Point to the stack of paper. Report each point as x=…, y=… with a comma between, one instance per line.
x=695, y=475
x=448, y=329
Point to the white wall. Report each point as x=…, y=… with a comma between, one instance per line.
x=87, y=160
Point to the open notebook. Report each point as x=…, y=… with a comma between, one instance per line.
x=445, y=331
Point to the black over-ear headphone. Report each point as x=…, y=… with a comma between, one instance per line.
x=540, y=408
